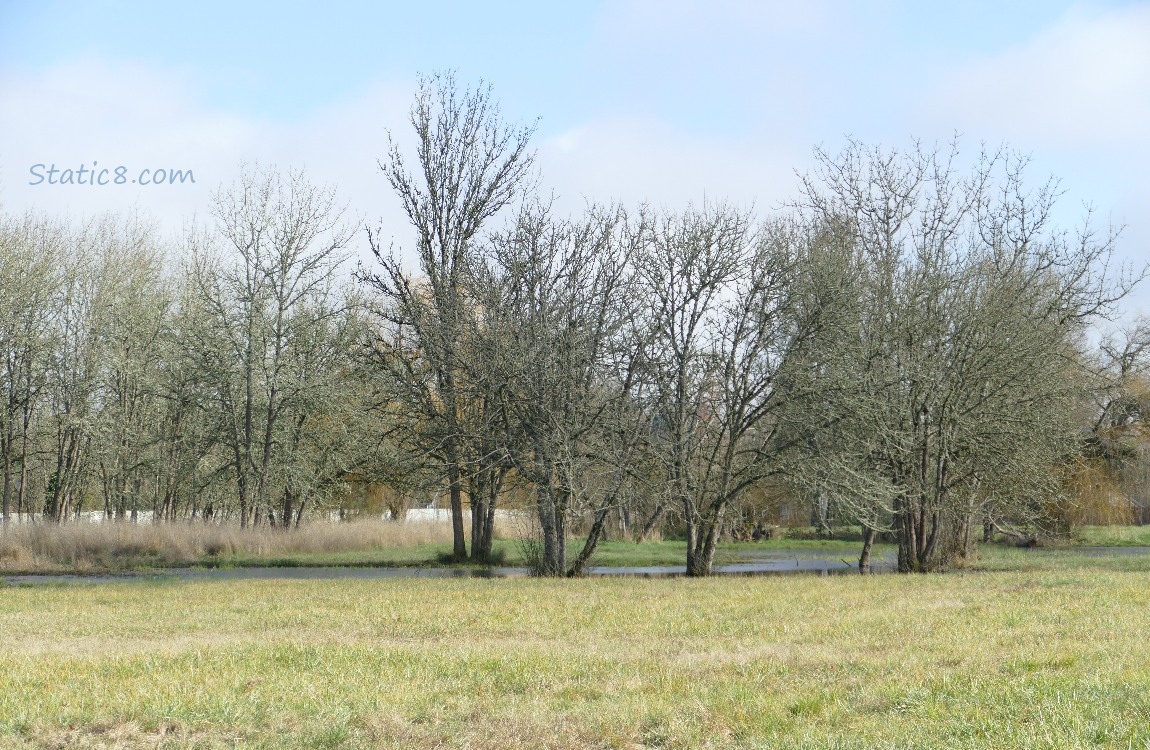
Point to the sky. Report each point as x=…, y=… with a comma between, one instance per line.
x=658, y=101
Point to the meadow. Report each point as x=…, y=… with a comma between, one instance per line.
x=1048, y=657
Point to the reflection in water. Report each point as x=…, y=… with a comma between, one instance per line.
x=774, y=562
x=766, y=562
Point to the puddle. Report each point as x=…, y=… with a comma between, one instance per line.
x=773, y=562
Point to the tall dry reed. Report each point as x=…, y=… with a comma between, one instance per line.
x=83, y=546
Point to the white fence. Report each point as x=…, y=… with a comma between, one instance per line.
x=430, y=515
x=444, y=514
x=90, y=516
x=414, y=515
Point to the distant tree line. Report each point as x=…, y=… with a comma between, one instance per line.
x=903, y=347
x=221, y=385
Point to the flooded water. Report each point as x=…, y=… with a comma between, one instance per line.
x=772, y=562
x=756, y=563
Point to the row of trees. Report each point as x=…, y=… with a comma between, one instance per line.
x=221, y=385
x=902, y=347
x=954, y=385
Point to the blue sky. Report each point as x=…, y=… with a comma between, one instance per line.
x=636, y=99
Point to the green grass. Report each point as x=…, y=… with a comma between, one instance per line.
x=1112, y=536
x=95, y=548
x=1001, y=558
x=1044, y=659
x=507, y=553
x=510, y=553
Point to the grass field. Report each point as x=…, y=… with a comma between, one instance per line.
x=1052, y=658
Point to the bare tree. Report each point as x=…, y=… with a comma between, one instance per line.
x=1108, y=480
x=265, y=298
x=559, y=359
x=74, y=371
x=31, y=275
x=133, y=314
x=949, y=392
x=470, y=166
x=734, y=309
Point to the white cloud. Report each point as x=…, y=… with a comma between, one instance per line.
x=660, y=20
x=113, y=114
x=125, y=114
x=1082, y=83
x=1076, y=96
x=342, y=145
x=120, y=114
x=635, y=160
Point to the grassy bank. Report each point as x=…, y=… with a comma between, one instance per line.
x=95, y=548
x=994, y=660
x=1112, y=536
x=998, y=558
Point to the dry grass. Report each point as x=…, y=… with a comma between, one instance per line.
x=1039, y=660
x=97, y=546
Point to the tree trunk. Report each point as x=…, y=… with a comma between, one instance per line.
x=477, y=500
x=703, y=540
x=485, y=489
x=21, y=493
x=868, y=543
x=652, y=523
x=7, y=481
x=696, y=565
x=820, y=514
x=454, y=491
x=544, y=506
x=907, y=540
x=551, y=502
x=489, y=530
x=557, y=565
x=579, y=567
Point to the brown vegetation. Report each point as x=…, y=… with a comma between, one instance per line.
x=94, y=546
